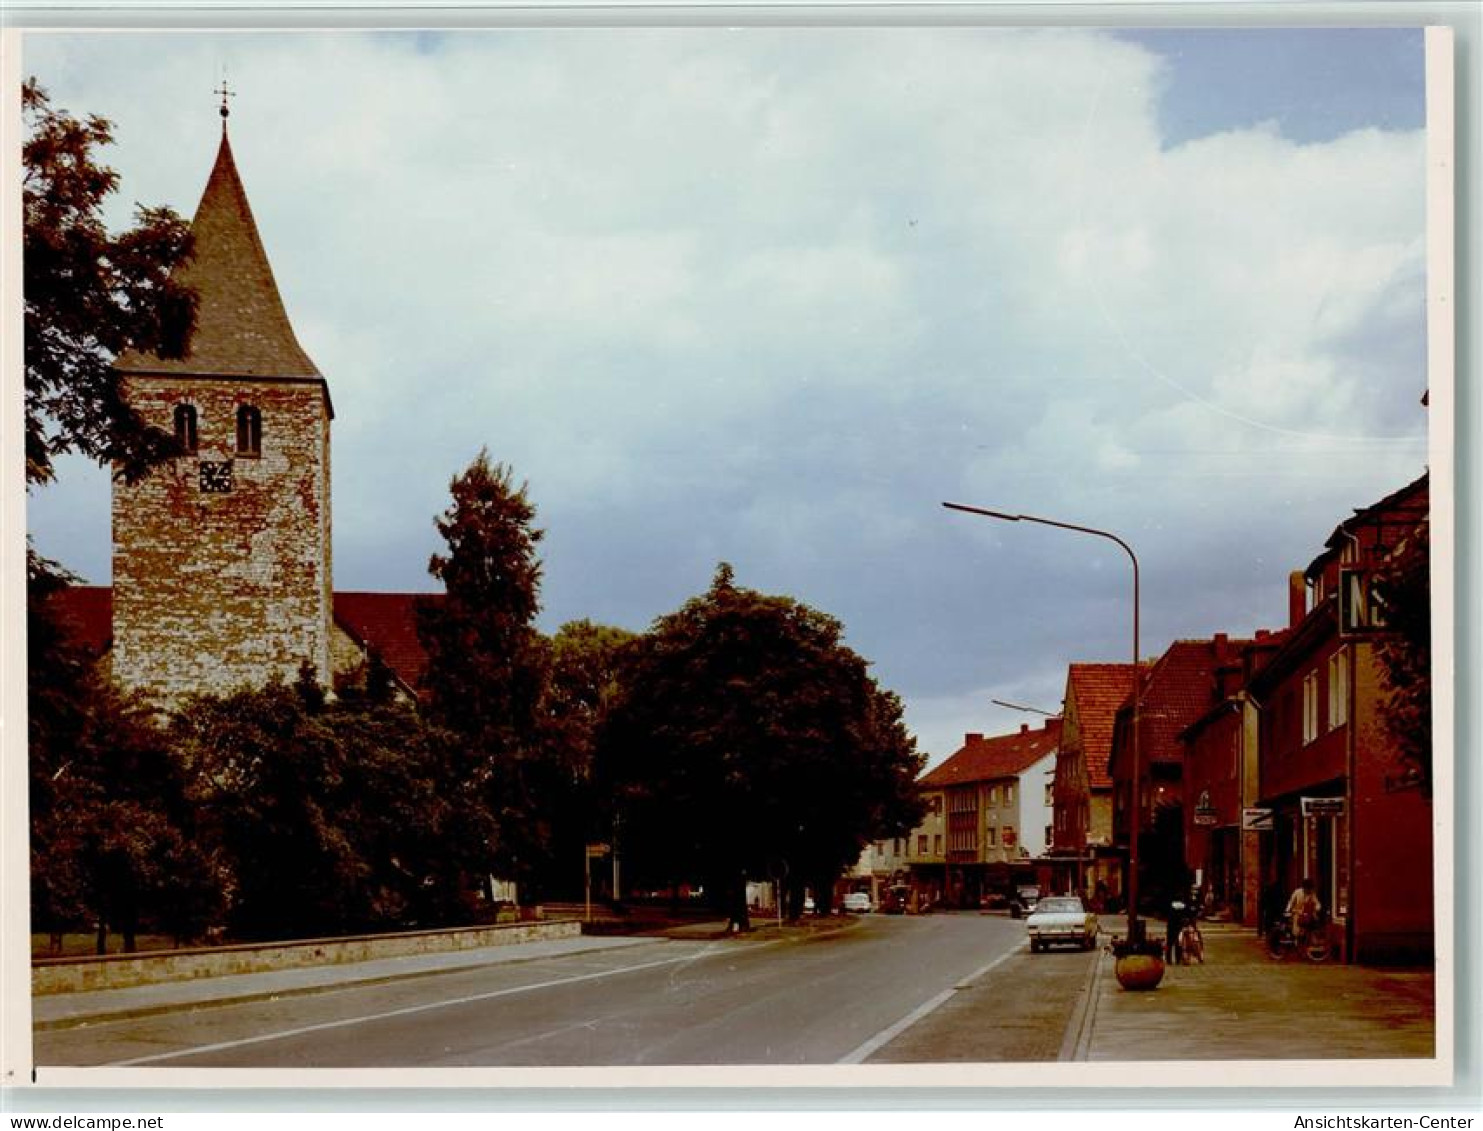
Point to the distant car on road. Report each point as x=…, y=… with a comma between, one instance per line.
x=857, y=902
x=1061, y=919
x=1023, y=901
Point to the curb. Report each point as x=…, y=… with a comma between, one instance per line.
x=1078, y=1040
x=78, y=1020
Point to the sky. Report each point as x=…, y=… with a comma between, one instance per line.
x=771, y=297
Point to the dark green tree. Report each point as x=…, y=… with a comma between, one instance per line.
x=1403, y=586
x=582, y=683
x=487, y=667
x=89, y=295
x=329, y=817
x=748, y=739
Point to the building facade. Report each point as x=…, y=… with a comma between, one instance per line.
x=1343, y=809
x=984, y=784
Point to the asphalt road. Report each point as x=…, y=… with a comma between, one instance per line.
x=892, y=989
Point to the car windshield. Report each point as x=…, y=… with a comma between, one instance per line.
x=1064, y=906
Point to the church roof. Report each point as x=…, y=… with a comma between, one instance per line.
x=387, y=622
x=242, y=328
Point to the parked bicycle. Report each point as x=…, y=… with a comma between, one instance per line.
x=1312, y=941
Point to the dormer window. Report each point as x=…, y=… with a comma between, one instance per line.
x=185, y=427
x=249, y=431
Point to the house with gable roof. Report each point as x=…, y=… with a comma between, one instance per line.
x=996, y=810
x=1177, y=690
x=1081, y=855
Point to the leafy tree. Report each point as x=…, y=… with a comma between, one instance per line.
x=329, y=818
x=487, y=665
x=1403, y=586
x=747, y=737
x=582, y=683
x=89, y=295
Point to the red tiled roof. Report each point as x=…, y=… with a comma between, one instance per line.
x=1001, y=756
x=386, y=622
x=1098, y=691
x=1178, y=691
x=87, y=610
x=241, y=326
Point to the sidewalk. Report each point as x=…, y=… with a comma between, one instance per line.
x=1242, y=1005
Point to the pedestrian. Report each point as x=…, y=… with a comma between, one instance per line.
x=1303, y=908
x=1175, y=924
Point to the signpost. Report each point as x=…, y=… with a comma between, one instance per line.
x=1323, y=806
x=1256, y=820
x=594, y=852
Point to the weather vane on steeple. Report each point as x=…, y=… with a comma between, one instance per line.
x=225, y=94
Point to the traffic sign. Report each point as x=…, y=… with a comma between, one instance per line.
x=1256, y=820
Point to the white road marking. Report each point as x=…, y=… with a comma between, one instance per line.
x=886, y=1036
x=425, y=1007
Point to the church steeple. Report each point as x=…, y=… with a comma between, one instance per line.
x=242, y=328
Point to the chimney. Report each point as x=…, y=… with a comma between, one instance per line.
x=1297, y=598
x=1024, y=728
x=1220, y=646
x=1263, y=633
x=971, y=737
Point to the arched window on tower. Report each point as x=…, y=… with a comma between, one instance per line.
x=249, y=431
x=185, y=427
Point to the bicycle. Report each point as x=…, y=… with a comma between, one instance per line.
x=1312, y=941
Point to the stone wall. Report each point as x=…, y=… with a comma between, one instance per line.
x=217, y=590
x=118, y=971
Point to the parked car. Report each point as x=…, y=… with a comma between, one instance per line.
x=1024, y=900
x=1061, y=919
x=893, y=901
x=857, y=902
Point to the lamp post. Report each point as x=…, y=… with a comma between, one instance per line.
x=1135, y=926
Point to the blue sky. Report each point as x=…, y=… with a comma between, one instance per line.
x=771, y=297
x=1313, y=84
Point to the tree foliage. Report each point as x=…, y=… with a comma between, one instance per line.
x=329, y=818
x=89, y=295
x=748, y=740
x=1403, y=586
x=487, y=665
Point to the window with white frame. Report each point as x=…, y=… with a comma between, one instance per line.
x=1310, y=707
x=1009, y=793
x=1339, y=688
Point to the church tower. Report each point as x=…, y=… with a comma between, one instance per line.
x=221, y=556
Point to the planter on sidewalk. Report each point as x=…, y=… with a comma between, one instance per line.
x=1138, y=965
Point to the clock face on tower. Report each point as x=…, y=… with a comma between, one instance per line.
x=216, y=476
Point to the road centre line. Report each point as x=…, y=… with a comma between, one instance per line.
x=886, y=1036
x=405, y=1011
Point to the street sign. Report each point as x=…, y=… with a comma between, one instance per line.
x=1205, y=816
x=1323, y=806
x=1256, y=820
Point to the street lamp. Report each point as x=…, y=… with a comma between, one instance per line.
x=1135, y=926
